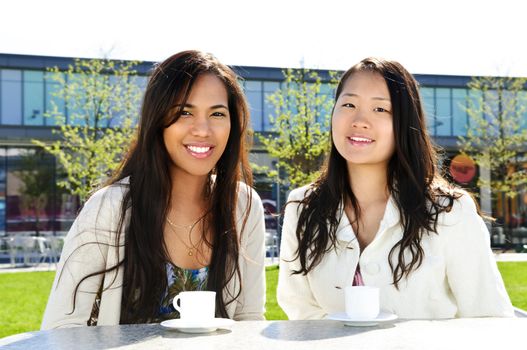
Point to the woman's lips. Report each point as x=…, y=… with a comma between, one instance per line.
x=199, y=152
x=360, y=141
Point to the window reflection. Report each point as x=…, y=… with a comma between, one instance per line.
x=253, y=92
x=33, y=98
x=11, y=96
x=33, y=204
x=443, y=112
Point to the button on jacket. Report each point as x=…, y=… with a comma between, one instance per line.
x=457, y=278
x=86, y=250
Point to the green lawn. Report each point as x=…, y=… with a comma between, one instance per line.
x=274, y=312
x=23, y=296
x=515, y=277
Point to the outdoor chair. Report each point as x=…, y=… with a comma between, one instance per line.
x=271, y=244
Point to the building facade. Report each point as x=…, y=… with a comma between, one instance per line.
x=26, y=94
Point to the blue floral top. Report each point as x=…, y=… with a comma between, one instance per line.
x=180, y=280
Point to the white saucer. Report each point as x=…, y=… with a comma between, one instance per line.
x=383, y=317
x=197, y=326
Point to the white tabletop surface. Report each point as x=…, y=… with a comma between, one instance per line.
x=477, y=333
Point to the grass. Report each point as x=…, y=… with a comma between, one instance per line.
x=23, y=296
x=515, y=277
x=273, y=311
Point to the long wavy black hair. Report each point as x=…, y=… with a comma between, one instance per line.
x=413, y=180
x=147, y=198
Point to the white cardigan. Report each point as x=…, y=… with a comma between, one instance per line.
x=458, y=276
x=86, y=251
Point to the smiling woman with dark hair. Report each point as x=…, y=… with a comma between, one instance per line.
x=381, y=215
x=178, y=215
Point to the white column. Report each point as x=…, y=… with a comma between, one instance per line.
x=485, y=191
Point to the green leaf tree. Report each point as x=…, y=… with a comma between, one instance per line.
x=101, y=98
x=497, y=134
x=299, y=138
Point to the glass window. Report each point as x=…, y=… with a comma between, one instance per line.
x=269, y=110
x=459, y=113
x=491, y=110
x=11, y=97
x=290, y=99
x=30, y=185
x=427, y=95
x=33, y=98
x=255, y=108
x=474, y=101
x=253, y=91
x=253, y=85
x=443, y=118
x=522, y=108
x=54, y=103
x=75, y=103
x=66, y=205
x=491, y=98
x=114, y=113
x=2, y=191
x=509, y=107
x=325, y=98
x=115, y=108
x=141, y=82
x=326, y=89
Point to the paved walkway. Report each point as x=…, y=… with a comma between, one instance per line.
x=511, y=256
x=6, y=268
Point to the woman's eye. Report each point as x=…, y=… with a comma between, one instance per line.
x=380, y=109
x=218, y=114
x=348, y=105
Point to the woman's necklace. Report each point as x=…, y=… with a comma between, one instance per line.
x=189, y=228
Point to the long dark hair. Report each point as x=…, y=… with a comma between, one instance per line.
x=413, y=180
x=146, y=200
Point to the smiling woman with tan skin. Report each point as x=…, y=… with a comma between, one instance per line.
x=194, y=143
x=178, y=215
x=381, y=215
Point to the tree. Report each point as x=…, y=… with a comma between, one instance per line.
x=300, y=128
x=101, y=99
x=497, y=133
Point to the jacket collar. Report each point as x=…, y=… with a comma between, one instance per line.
x=389, y=219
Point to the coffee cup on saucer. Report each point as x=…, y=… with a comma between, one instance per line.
x=362, y=302
x=195, y=305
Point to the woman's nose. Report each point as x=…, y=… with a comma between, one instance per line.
x=360, y=120
x=201, y=127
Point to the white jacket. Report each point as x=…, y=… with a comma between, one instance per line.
x=458, y=276
x=86, y=251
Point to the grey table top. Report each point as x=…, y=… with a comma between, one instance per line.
x=476, y=333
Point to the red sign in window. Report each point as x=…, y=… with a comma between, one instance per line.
x=462, y=169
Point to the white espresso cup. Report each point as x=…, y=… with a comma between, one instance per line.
x=195, y=305
x=362, y=302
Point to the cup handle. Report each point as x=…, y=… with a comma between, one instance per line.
x=177, y=299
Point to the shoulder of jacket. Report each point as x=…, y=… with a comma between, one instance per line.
x=107, y=196
x=245, y=192
x=300, y=192
x=463, y=207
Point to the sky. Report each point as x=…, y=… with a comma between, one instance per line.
x=456, y=37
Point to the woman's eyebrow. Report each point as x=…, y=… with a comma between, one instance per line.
x=190, y=105
x=219, y=106
x=351, y=94
x=381, y=99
